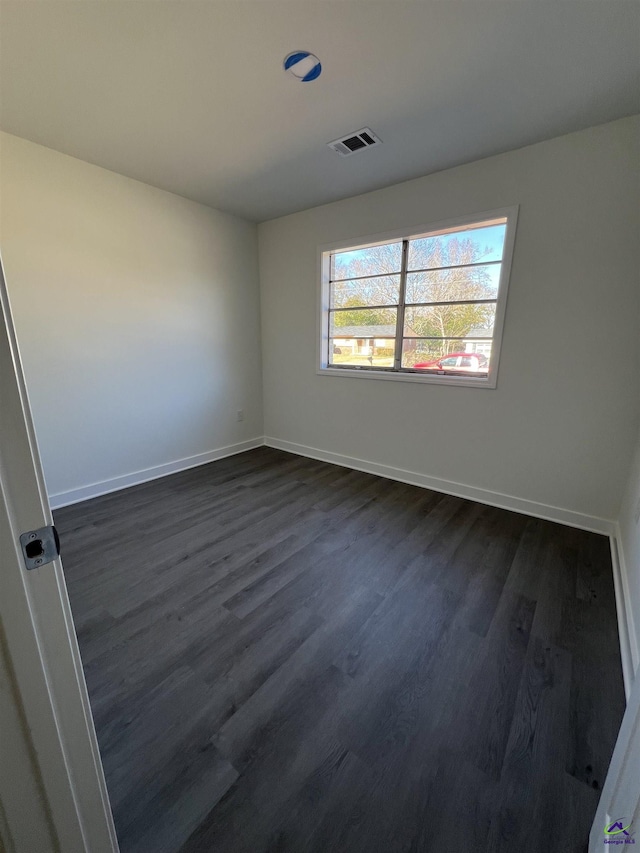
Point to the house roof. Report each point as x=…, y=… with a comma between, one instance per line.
x=479, y=332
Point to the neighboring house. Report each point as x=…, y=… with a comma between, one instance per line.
x=472, y=344
x=364, y=340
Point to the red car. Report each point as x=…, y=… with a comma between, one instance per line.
x=457, y=362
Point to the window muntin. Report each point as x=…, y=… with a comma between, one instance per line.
x=364, y=322
x=374, y=291
x=457, y=283
x=450, y=319
x=380, y=260
x=401, y=306
x=447, y=249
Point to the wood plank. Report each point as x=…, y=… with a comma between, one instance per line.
x=286, y=655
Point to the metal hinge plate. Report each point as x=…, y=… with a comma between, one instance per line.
x=40, y=546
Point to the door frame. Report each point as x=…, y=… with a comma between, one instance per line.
x=620, y=797
x=43, y=669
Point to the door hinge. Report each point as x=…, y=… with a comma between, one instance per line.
x=40, y=546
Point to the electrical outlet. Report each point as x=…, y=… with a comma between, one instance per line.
x=240, y=416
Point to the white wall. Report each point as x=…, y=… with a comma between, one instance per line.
x=137, y=313
x=629, y=544
x=560, y=427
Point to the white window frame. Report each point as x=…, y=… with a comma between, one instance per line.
x=406, y=374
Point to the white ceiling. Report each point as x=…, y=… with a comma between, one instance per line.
x=191, y=97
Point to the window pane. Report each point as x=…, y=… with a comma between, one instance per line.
x=443, y=357
x=460, y=321
x=384, y=290
x=363, y=323
x=363, y=352
x=479, y=347
x=468, y=246
x=377, y=260
x=479, y=282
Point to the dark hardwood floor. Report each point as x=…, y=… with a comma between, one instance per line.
x=285, y=655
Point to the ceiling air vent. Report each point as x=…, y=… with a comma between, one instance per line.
x=354, y=142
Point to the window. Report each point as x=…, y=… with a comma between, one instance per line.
x=426, y=306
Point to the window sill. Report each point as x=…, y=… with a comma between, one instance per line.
x=368, y=373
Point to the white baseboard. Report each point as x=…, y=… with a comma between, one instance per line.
x=94, y=490
x=483, y=496
x=629, y=649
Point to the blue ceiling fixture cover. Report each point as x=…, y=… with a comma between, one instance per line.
x=303, y=65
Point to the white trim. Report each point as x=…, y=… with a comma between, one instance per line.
x=626, y=622
x=473, y=493
x=322, y=339
x=114, y=484
x=621, y=791
x=397, y=376
x=40, y=638
x=367, y=241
